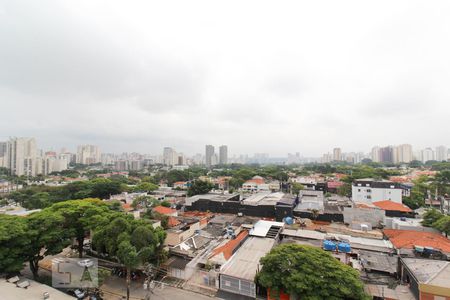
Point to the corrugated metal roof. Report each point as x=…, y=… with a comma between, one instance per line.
x=262, y=227
x=245, y=262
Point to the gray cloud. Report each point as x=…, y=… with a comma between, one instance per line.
x=262, y=78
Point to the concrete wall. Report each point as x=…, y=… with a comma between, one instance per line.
x=396, y=223
x=237, y=286
x=372, y=216
x=175, y=237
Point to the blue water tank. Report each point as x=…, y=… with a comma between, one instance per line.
x=289, y=220
x=344, y=247
x=329, y=245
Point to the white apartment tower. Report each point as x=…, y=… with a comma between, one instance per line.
x=441, y=153
x=21, y=156
x=337, y=154
x=88, y=154
x=170, y=157
x=403, y=153
x=427, y=154
x=375, y=154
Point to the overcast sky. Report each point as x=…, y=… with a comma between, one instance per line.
x=275, y=76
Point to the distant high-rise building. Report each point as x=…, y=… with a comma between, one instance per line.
x=88, y=154
x=337, y=154
x=209, y=153
x=170, y=157
x=387, y=154
x=375, y=154
x=403, y=153
x=21, y=156
x=441, y=153
x=326, y=158
x=427, y=155
x=3, y=149
x=223, y=155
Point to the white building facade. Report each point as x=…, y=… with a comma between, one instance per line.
x=367, y=190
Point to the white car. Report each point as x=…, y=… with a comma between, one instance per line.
x=85, y=263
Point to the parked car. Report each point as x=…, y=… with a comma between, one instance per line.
x=85, y=263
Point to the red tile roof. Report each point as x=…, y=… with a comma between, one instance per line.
x=164, y=210
x=229, y=247
x=410, y=238
x=126, y=206
x=172, y=222
x=391, y=205
x=256, y=181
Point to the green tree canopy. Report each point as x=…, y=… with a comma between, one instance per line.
x=443, y=225
x=199, y=187
x=297, y=187
x=145, y=187
x=132, y=242
x=80, y=216
x=46, y=236
x=13, y=243
x=345, y=190
x=309, y=273
x=430, y=217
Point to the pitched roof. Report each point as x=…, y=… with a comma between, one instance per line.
x=164, y=210
x=229, y=247
x=126, y=206
x=410, y=238
x=172, y=222
x=391, y=205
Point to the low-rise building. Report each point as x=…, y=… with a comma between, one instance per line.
x=420, y=243
x=237, y=276
x=370, y=190
x=364, y=214
x=394, y=209
x=407, y=224
x=428, y=279
x=183, y=231
x=167, y=211
x=265, y=205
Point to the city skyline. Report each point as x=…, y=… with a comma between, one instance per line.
x=117, y=82
x=396, y=153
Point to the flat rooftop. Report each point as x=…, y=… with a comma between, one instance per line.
x=429, y=271
x=36, y=290
x=264, y=198
x=245, y=262
x=262, y=227
x=355, y=242
x=213, y=197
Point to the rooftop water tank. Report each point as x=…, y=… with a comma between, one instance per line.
x=289, y=220
x=329, y=245
x=344, y=247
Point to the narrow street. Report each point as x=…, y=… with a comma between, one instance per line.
x=114, y=288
